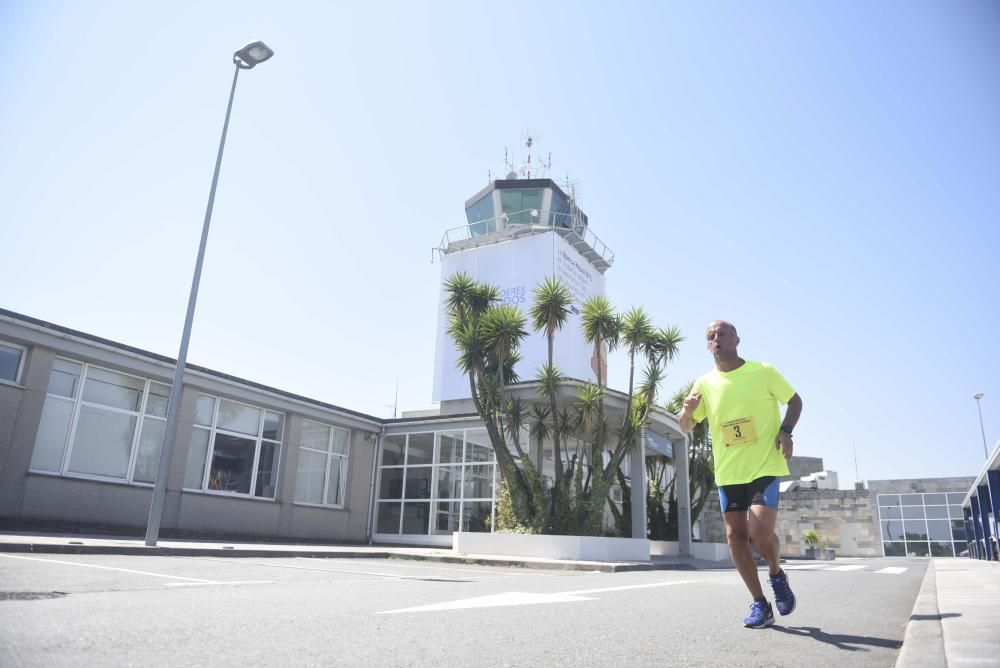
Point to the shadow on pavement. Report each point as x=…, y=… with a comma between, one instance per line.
x=838, y=640
x=937, y=618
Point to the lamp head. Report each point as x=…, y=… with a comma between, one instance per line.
x=977, y=396
x=252, y=55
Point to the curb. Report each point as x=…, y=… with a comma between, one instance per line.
x=129, y=550
x=923, y=642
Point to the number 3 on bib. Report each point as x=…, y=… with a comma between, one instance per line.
x=740, y=431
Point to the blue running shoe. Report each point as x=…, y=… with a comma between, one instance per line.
x=760, y=616
x=784, y=599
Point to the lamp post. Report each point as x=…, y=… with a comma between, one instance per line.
x=977, y=396
x=246, y=58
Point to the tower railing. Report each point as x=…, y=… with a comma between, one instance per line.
x=529, y=221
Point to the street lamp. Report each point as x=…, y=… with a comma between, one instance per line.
x=977, y=396
x=246, y=58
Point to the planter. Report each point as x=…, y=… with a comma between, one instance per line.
x=575, y=548
x=810, y=553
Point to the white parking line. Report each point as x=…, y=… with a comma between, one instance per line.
x=846, y=568
x=803, y=567
x=112, y=568
x=894, y=570
x=216, y=584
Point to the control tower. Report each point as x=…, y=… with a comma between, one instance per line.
x=518, y=231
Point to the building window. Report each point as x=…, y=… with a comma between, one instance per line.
x=518, y=204
x=921, y=525
x=11, y=361
x=436, y=483
x=234, y=449
x=322, y=474
x=100, y=423
x=481, y=217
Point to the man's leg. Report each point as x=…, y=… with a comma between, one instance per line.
x=762, y=521
x=738, y=536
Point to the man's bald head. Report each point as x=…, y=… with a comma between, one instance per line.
x=722, y=323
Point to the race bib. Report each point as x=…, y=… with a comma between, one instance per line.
x=740, y=431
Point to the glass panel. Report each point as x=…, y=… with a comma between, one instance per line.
x=445, y=518
x=416, y=517
x=159, y=397
x=915, y=530
x=917, y=549
x=941, y=549
x=334, y=490
x=956, y=497
x=232, y=464
x=890, y=512
x=449, y=482
x=10, y=360
x=961, y=549
x=481, y=210
x=50, y=441
x=194, y=470
x=315, y=436
x=392, y=484
x=888, y=499
x=103, y=443
x=939, y=530
x=392, y=450
x=388, y=518
x=113, y=389
x=418, y=482
x=913, y=512
x=935, y=499
x=894, y=549
x=272, y=425
x=65, y=378
x=958, y=530
x=518, y=203
x=420, y=450
x=937, y=512
x=204, y=409
x=477, y=446
x=239, y=418
x=341, y=441
x=912, y=499
x=892, y=530
x=147, y=460
x=478, y=482
x=956, y=511
x=477, y=516
x=309, y=479
x=450, y=448
x=267, y=470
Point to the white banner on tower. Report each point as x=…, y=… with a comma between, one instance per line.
x=517, y=267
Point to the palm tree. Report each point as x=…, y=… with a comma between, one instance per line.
x=549, y=314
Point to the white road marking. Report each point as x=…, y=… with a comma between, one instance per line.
x=524, y=598
x=803, y=567
x=894, y=570
x=111, y=568
x=216, y=584
x=388, y=576
x=413, y=564
x=854, y=567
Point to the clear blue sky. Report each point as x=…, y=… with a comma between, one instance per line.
x=824, y=175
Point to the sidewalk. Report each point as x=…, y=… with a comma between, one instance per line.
x=956, y=618
x=50, y=543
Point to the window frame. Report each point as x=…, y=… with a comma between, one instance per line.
x=20, y=362
x=78, y=403
x=259, y=440
x=330, y=455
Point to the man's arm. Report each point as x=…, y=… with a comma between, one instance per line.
x=792, y=413
x=685, y=418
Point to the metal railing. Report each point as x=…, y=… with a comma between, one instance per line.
x=508, y=224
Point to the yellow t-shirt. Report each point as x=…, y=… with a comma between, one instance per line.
x=742, y=411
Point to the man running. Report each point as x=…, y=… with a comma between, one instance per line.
x=751, y=445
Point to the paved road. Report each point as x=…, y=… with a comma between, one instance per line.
x=120, y=610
